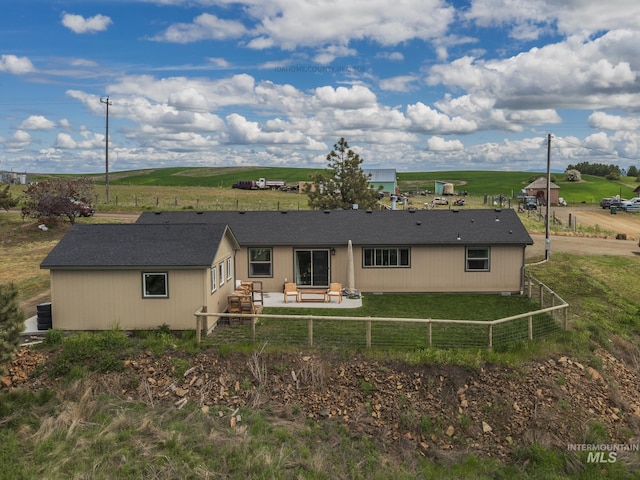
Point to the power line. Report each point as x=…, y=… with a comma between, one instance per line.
x=602, y=152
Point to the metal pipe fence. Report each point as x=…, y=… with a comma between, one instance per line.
x=390, y=332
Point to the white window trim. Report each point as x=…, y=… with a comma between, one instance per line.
x=487, y=259
x=214, y=278
x=144, y=284
x=399, y=265
x=252, y=262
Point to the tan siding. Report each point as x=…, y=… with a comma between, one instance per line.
x=282, y=268
x=217, y=301
x=99, y=300
x=433, y=269
x=442, y=269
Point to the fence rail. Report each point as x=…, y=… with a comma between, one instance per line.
x=368, y=332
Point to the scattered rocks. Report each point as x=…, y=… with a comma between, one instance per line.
x=492, y=409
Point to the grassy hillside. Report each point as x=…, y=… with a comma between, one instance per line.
x=476, y=182
x=222, y=177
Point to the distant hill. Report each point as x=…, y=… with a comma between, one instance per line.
x=476, y=182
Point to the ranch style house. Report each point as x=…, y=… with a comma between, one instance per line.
x=167, y=265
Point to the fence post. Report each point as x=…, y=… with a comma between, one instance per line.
x=541, y=296
x=490, y=335
x=430, y=336
x=530, y=327
x=565, y=311
x=201, y=320
x=368, y=333
x=253, y=329
x=310, y=331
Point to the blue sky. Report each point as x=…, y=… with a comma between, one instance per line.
x=417, y=85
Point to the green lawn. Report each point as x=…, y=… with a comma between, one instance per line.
x=399, y=336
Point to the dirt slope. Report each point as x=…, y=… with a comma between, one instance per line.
x=442, y=411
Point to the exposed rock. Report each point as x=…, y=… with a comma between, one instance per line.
x=493, y=409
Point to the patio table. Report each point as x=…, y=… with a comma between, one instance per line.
x=311, y=295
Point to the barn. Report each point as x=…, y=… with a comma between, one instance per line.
x=538, y=189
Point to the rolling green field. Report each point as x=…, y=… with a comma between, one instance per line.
x=210, y=188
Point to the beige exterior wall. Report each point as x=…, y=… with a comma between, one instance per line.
x=103, y=299
x=442, y=269
x=433, y=269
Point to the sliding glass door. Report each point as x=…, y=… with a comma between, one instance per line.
x=312, y=268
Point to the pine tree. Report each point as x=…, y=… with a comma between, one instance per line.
x=6, y=200
x=11, y=323
x=343, y=184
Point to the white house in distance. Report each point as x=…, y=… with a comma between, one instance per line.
x=166, y=266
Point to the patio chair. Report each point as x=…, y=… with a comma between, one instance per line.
x=334, y=290
x=290, y=289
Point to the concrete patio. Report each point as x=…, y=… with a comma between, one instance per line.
x=276, y=299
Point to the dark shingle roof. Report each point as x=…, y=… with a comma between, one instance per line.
x=379, y=227
x=134, y=245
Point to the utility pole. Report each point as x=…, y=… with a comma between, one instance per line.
x=107, y=102
x=547, y=244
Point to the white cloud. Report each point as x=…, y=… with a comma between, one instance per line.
x=293, y=24
x=80, y=24
x=605, y=121
x=570, y=74
x=203, y=27
x=19, y=140
x=219, y=62
x=290, y=25
x=16, y=65
x=424, y=119
x=37, y=122
x=528, y=19
x=393, y=56
x=345, y=98
x=401, y=83
x=328, y=54
x=92, y=141
x=243, y=131
x=439, y=144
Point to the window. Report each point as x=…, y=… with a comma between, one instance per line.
x=229, y=268
x=386, y=257
x=214, y=279
x=155, y=285
x=477, y=259
x=260, y=262
x=221, y=270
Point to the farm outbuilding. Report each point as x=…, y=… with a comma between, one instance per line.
x=538, y=189
x=444, y=188
x=385, y=178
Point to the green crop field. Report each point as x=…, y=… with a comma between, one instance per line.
x=216, y=182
